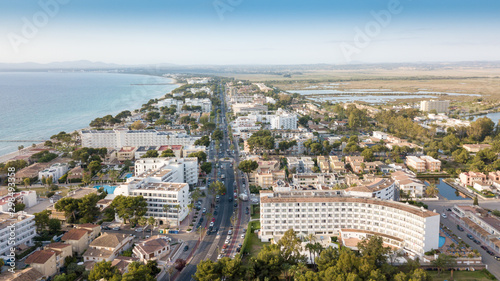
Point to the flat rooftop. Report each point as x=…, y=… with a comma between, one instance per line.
x=166, y=186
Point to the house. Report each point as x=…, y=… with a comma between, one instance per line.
x=481, y=186
x=154, y=248
x=323, y=164
x=62, y=250
x=379, y=135
x=468, y=178
x=75, y=174
x=43, y=261
x=474, y=148
x=27, y=274
x=408, y=183
x=122, y=263
x=94, y=229
x=79, y=239
x=126, y=153
x=107, y=246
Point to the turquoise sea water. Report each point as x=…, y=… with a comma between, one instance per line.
x=36, y=105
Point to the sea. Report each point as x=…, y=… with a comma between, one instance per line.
x=37, y=105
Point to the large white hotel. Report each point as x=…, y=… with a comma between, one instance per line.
x=330, y=213
x=118, y=138
x=16, y=230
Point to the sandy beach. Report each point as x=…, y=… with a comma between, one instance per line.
x=26, y=150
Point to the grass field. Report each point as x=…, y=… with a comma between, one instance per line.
x=255, y=211
x=254, y=243
x=460, y=276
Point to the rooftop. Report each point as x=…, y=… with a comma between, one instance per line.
x=74, y=234
x=40, y=257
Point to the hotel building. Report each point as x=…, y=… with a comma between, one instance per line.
x=23, y=225
x=329, y=213
x=184, y=170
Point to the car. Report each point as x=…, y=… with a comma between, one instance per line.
x=497, y=258
x=224, y=246
x=243, y=236
x=147, y=236
x=490, y=252
x=230, y=232
x=132, y=235
x=477, y=241
x=227, y=241
x=202, y=219
x=204, y=210
x=235, y=205
x=105, y=228
x=220, y=256
x=230, y=199
x=238, y=250
x=217, y=197
x=484, y=248
x=448, y=210
x=116, y=228
x=186, y=248
x=460, y=228
x=211, y=224
x=213, y=219
x=444, y=215
x=138, y=229
x=215, y=213
x=470, y=236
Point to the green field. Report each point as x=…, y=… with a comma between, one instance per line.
x=460, y=276
x=252, y=244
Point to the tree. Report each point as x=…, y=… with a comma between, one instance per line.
x=476, y=201
x=206, y=167
x=207, y=270
x=104, y=270
x=113, y=175
x=373, y=249
x=290, y=246
x=68, y=205
x=142, y=221
x=480, y=128
x=179, y=264
x=204, y=141
x=367, y=154
x=432, y=190
x=168, y=153
x=87, y=207
x=86, y=178
x=42, y=219
x=54, y=225
x=443, y=262
x=129, y=207
x=137, y=125
x=328, y=258
x=150, y=154
x=217, y=135
x=248, y=166
x=19, y=207
x=21, y=147
x=218, y=188
x=95, y=166
x=26, y=181
x=151, y=222
x=202, y=156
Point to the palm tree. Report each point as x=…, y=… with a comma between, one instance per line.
x=142, y=222
x=310, y=249
x=151, y=221
x=113, y=175
x=190, y=207
x=86, y=178
x=432, y=190
x=177, y=208
x=311, y=238
x=27, y=181
x=19, y=148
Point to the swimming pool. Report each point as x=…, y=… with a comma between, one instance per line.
x=442, y=240
x=108, y=188
x=128, y=175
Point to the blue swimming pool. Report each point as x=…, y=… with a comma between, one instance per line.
x=128, y=175
x=108, y=188
x=441, y=241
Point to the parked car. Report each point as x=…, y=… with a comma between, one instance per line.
x=211, y=224
x=460, y=228
x=477, y=241
x=138, y=229
x=484, y=248
x=243, y=236
x=497, y=258
x=186, y=248
x=444, y=215
x=490, y=252
x=230, y=232
x=116, y=228
x=470, y=236
x=204, y=210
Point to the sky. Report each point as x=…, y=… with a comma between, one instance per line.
x=229, y=32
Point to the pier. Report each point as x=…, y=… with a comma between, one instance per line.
x=22, y=140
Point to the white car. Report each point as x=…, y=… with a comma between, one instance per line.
x=230, y=232
x=227, y=241
x=138, y=230
x=212, y=223
x=243, y=236
x=444, y=215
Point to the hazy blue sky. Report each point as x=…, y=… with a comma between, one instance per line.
x=249, y=31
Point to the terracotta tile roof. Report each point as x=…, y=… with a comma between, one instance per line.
x=109, y=240
x=58, y=245
x=151, y=246
x=28, y=274
x=40, y=257
x=74, y=234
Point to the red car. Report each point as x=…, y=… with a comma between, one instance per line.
x=213, y=219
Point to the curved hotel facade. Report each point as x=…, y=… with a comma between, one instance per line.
x=331, y=213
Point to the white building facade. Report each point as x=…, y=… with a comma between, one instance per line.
x=284, y=120
x=185, y=169
x=21, y=225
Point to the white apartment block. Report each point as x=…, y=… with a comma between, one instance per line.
x=55, y=171
x=123, y=137
x=171, y=102
x=423, y=163
x=28, y=198
x=441, y=106
x=184, y=170
x=205, y=104
x=381, y=188
x=414, y=230
x=409, y=184
x=188, y=149
x=301, y=164
x=283, y=120
x=315, y=179
x=158, y=194
x=16, y=230
x=379, y=135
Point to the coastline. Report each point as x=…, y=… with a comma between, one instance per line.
x=11, y=155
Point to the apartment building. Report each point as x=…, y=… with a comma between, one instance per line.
x=300, y=164
x=412, y=229
x=126, y=153
x=28, y=198
x=174, y=170
x=55, y=171
x=16, y=230
x=408, y=183
x=431, y=164
x=188, y=149
x=481, y=223
x=468, y=178
x=440, y=106
x=123, y=137
x=284, y=120
x=268, y=178
x=157, y=194
x=315, y=179
x=475, y=148
x=79, y=239
x=380, y=135
x=323, y=164
x=416, y=163
x=153, y=248
x=205, y=104
x=44, y=261
x=171, y=102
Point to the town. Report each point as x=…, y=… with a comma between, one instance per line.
x=228, y=179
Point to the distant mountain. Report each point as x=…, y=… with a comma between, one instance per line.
x=81, y=64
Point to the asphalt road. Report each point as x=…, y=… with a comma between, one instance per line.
x=441, y=206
